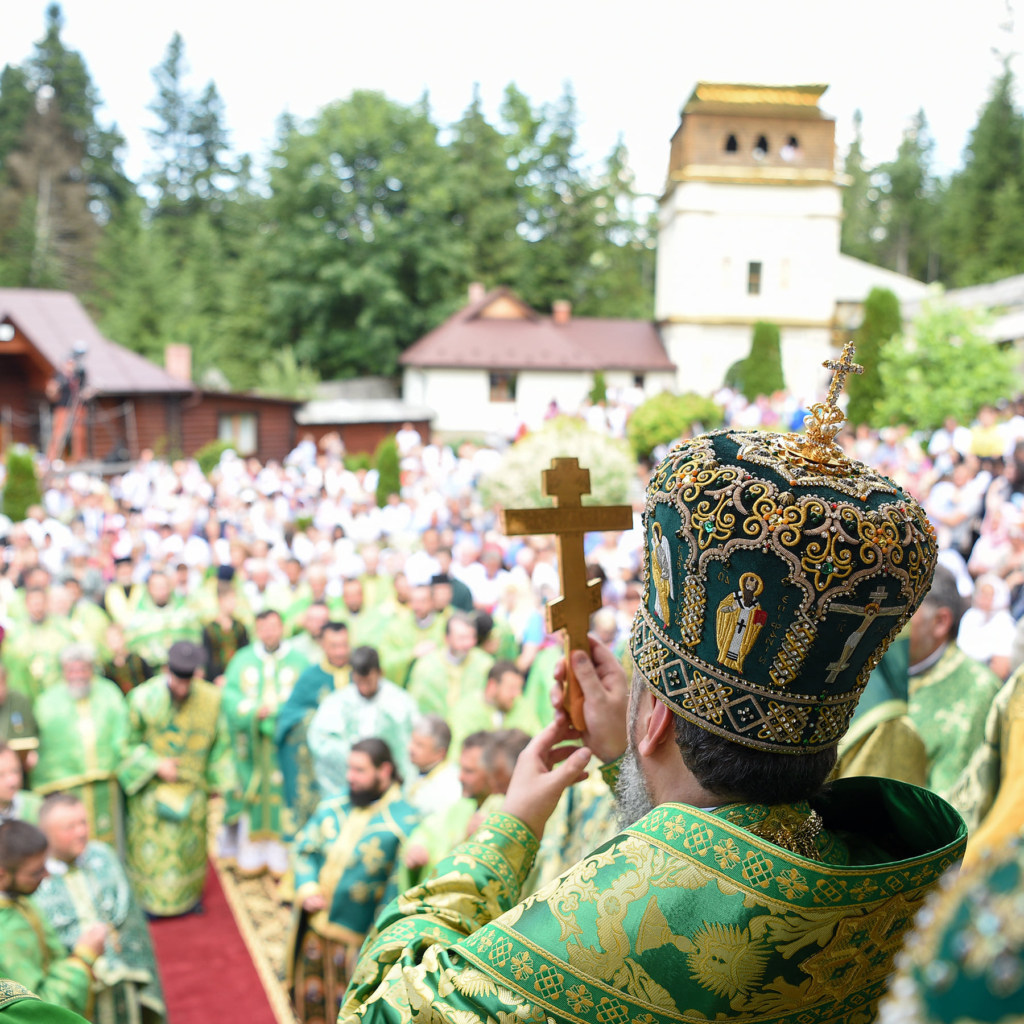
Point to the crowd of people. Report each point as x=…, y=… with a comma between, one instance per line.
x=357, y=682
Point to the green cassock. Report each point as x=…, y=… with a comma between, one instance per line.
x=401, y=638
x=257, y=678
x=95, y=888
x=91, y=622
x=348, y=855
x=471, y=714
x=151, y=630
x=688, y=915
x=300, y=787
x=438, y=684
x=81, y=745
x=32, y=955
x=19, y=1006
x=166, y=830
x=31, y=654
x=948, y=704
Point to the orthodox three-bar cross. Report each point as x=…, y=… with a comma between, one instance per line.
x=566, y=483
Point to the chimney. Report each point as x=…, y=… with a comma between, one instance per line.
x=178, y=362
x=476, y=292
x=561, y=311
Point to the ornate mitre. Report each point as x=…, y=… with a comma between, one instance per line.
x=777, y=572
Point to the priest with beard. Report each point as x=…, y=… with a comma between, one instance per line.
x=345, y=861
x=741, y=887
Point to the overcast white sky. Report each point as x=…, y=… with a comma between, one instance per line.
x=632, y=64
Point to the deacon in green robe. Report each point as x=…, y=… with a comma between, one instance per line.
x=345, y=858
x=86, y=884
x=15, y=803
x=31, y=954
x=741, y=888
x=950, y=693
x=412, y=633
x=501, y=706
x=179, y=752
x=455, y=672
x=258, y=681
x=31, y=652
x=300, y=789
x=159, y=622
x=83, y=727
x=370, y=706
x=19, y=1006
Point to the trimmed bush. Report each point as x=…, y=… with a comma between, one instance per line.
x=762, y=369
x=209, y=455
x=665, y=417
x=882, y=319
x=389, y=476
x=21, y=489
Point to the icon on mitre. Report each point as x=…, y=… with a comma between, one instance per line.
x=738, y=621
x=661, y=571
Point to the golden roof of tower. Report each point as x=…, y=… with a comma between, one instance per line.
x=751, y=98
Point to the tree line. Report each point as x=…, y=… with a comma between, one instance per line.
x=370, y=219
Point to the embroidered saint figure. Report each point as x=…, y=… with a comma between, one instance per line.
x=738, y=621
x=661, y=571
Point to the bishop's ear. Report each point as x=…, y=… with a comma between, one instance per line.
x=656, y=725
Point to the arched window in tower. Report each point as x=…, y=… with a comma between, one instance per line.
x=791, y=150
x=761, y=148
x=731, y=145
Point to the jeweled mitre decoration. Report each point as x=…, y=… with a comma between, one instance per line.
x=777, y=572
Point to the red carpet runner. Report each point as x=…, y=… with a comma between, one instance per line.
x=208, y=975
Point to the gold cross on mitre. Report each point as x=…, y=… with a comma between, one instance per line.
x=826, y=418
x=566, y=482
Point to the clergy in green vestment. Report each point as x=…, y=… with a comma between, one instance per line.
x=300, y=789
x=882, y=739
x=15, y=803
x=307, y=641
x=83, y=728
x=366, y=625
x=19, y=1006
x=122, y=598
x=31, y=953
x=950, y=693
x=312, y=591
x=345, y=858
x=453, y=673
x=31, y=650
x=742, y=887
x=87, y=883
x=370, y=706
x=158, y=623
x=258, y=682
x=413, y=633
x=377, y=588
x=433, y=782
x=541, y=678
x=88, y=620
x=444, y=828
x=501, y=706
x=179, y=752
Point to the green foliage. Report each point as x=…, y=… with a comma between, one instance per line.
x=860, y=217
x=21, y=487
x=734, y=375
x=599, y=391
x=389, y=481
x=882, y=319
x=283, y=376
x=516, y=482
x=762, y=369
x=664, y=417
x=209, y=455
x=357, y=461
x=946, y=369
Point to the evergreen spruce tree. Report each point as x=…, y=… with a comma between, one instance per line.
x=882, y=320
x=762, y=369
x=389, y=479
x=860, y=215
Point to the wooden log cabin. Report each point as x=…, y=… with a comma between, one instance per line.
x=136, y=404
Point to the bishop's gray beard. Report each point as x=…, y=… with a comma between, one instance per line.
x=632, y=795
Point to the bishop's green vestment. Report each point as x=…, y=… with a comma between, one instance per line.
x=95, y=888
x=685, y=916
x=167, y=820
x=19, y=1006
x=81, y=745
x=300, y=788
x=948, y=704
x=32, y=955
x=438, y=684
x=348, y=855
x=31, y=654
x=258, y=679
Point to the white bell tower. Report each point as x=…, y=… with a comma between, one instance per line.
x=749, y=230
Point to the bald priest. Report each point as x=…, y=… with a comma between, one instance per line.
x=741, y=888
